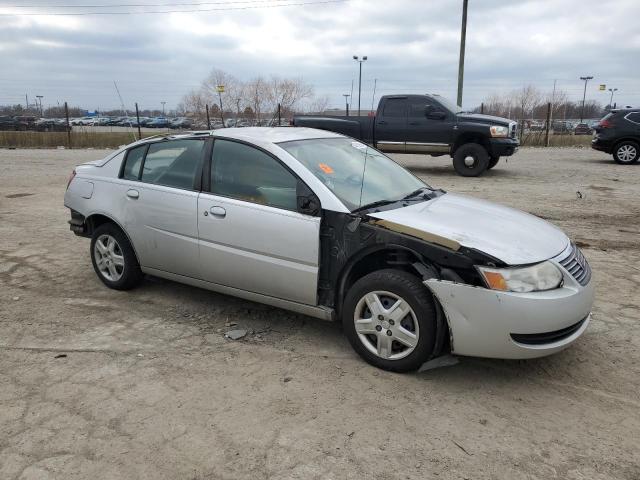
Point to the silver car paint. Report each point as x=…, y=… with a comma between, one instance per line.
x=510, y=235
x=258, y=248
x=480, y=319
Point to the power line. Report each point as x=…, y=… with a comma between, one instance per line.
x=122, y=5
x=78, y=14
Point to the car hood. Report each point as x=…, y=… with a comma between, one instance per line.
x=481, y=118
x=515, y=237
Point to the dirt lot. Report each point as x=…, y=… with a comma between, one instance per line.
x=96, y=383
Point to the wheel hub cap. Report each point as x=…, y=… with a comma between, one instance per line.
x=386, y=325
x=469, y=161
x=109, y=258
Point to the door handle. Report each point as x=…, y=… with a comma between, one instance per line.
x=414, y=123
x=382, y=122
x=133, y=194
x=218, y=212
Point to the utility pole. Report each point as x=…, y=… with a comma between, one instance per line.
x=346, y=103
x=463, y=39
x=208, y=119
x=66, y=116
x=364, y=59
x=39, y=97
x=584, y=95
x=373, y=98
x=611, y=101
x=237, y=109
x=26, y=98
x=163, y=107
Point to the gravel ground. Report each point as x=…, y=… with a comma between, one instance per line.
x=96, y=383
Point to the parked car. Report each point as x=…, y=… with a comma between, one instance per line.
x=181, y=123
x=158, y=122
x=431, y=125
x=582, y=129
x=562, y=127
x=619, y=134
x=12, y=123
x=325, y=225
x=51, y=125
x=83, y=121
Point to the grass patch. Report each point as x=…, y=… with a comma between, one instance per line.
x=60, y=139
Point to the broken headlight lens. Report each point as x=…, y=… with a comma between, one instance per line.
x=499, y=131
x=535, y=278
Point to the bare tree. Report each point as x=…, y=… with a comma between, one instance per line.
x=319, y=104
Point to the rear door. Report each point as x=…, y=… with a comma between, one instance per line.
x=391, y=125
x=424, y=134
x=160, y=196
x=251, y=235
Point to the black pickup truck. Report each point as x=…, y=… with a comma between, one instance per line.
x=427, y=124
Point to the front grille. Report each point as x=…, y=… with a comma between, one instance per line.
x=577, y=265
x=548, y=337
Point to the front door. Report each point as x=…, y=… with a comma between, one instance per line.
x=424, y=134
x=391, y=124
x=251, y=237
x=160, y=204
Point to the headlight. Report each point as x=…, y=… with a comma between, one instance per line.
x=498, y=131
x=543, y=276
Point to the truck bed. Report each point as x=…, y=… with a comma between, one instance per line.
x=360, y=127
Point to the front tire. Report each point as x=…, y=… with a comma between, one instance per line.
x=389, y=318
x=626, y=153
x=113, y=258
x=470, y=160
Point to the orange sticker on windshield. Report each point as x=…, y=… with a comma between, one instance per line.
x=325, y=168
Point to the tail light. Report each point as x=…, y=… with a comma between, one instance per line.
x=71, y=177
x=605, y=124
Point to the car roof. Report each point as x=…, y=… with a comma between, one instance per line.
x=274, y=134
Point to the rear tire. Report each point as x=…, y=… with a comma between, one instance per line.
x=493, y=161
x=390, y=319
x=626, y=153
x=113, y=258
x=470, y=160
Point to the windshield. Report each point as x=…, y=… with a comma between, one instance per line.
x=356, y=173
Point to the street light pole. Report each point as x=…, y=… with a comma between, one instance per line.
x=163, y=107
x=463, y=40
x=346, y=103
x=611, y=101
x=364, y=59
x=584, y=95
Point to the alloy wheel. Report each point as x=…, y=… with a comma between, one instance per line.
x=627, y=153
x=386, y=325
x=109, y=257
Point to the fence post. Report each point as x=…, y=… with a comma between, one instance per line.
x=482, y=107
x=138, y=122
x=66, y=115
x=548, y=122
x=206, y=107
x=279, y=118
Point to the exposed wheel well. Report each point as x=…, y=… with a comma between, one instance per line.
x=626, y=139
x=397, y=258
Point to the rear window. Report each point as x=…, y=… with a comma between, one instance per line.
x=395, y=107
x=634, y=117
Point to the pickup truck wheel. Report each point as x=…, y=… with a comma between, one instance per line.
x=493, y=161
x=470, y=160
x=626, y=153
x=389, y=318
x=113, y=258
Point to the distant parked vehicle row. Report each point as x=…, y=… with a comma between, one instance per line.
x=29, y=123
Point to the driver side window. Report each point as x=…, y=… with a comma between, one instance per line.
x=246, y=173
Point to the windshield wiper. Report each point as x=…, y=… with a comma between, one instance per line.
x=378, y=203
x=415, y=193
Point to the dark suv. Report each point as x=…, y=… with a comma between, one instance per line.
x=619, y=134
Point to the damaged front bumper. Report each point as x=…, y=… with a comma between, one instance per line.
x=496, y=324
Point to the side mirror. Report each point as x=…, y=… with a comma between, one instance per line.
x=306, y=201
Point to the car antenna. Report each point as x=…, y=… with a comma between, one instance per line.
x=124, y=110
x=364, y=169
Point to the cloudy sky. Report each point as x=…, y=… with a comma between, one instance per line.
x=412, y=46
